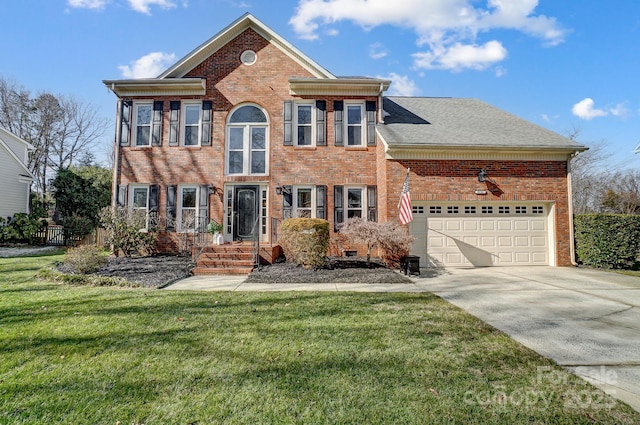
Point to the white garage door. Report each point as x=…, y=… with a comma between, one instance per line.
x=481, y=234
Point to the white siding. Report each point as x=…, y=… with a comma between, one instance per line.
x=14, y=193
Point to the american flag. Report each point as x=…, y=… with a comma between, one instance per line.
x=405, y=203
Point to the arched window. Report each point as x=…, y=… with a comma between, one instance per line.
x=247, y=141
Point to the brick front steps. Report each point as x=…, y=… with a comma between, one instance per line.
x=234, y=258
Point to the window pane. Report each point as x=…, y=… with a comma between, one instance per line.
x=191, y=135
x=258, y=165
x=140, y=197
x=235, y=162
x=257, y=138
x=354, y=136
x=304, y=198
x=248, y=114
x=354, y=198
x=192, y=114
x=354, y=114
x=354, y=213
x=189, y=197
x=142, y=136
x=304, y=114
x=235, y=138
x=144, y=115
x=304, y=136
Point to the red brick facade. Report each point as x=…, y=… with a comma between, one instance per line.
x=230, y=83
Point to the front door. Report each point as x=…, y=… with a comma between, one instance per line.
x=246, y=212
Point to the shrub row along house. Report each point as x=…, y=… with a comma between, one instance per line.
x=246, y=130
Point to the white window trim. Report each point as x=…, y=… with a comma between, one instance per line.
x=246, y=149
x=294, y=201
x=134, y=136
x=363, y=208
x=132, y=189
x=183, y=122
x=179, y=208
x=363, y=124
x=313, y=125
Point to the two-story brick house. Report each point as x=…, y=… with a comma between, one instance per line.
x=246, y=130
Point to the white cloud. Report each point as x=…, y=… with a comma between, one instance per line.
x=401, y=85
x=500, y=71
x=377, y=51
x=585, y=110
x=448, y=28
x=148, y=66
x=142, y=6
x=87, y=4
x=459, y=56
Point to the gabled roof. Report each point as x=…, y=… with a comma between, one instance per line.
x=6, y=134
x=246, y=21
x=454, y=123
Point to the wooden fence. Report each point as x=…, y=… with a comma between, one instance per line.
x=53, y=235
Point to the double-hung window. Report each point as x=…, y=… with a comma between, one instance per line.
x=356, y=125
x=304, y=114
x=304, y=202
x=142, y=123
x=191, y=124
x=139, y=202
x=187, y=207
x=355, y=201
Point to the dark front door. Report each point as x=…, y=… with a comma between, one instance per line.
x=246, y=212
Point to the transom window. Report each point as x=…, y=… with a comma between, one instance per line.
x=247, y=142
x=142, y=124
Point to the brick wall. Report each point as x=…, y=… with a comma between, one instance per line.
x=457, y=180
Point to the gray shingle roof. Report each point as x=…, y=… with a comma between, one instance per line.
x=456, y=122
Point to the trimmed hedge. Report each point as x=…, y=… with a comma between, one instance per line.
x=607, y=240
x=305, y=241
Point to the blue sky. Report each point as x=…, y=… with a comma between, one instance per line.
x=563, y=65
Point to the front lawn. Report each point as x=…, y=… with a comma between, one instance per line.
x=80, y=355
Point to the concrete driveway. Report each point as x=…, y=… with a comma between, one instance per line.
x=585, y=320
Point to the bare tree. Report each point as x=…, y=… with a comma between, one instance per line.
x=63, y=129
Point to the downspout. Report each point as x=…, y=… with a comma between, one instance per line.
x=116, y=153
x=572, y=245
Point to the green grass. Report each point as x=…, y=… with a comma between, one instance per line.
x=93, y=355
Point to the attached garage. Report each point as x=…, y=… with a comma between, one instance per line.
x=483, y=234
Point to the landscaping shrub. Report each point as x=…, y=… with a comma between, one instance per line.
x=305, y=241
x=84, y=259
x=127, y=230
x=394, y=243
x=21, y=227
x=607, y=240
x=361, y=231
x=76, y=227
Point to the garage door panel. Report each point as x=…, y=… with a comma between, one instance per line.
x=496, y=233
x=505, y=225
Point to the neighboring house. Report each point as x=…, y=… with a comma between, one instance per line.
x=14, y=174
x=248, y=131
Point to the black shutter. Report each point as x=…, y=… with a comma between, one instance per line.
x=174, y=122
x=206, y=122
x=121, y=201
x=321, y=202
x=203, y=208
x=171, y=208
x=154, y=194
x=156, y=123
x=372, y=203
x=338, y=108
x=287, y=201
x=125, y=123
x=338, y=210
x=371, y=122
x=288, y=123
x=321, y=114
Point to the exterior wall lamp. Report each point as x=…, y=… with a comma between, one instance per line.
x=482, y=175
